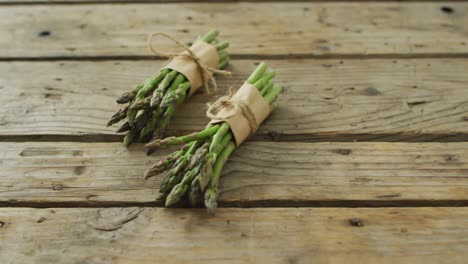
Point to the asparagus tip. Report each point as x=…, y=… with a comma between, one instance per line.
x=124, y=98
x=153, y=171
x=161, y=197
x=174, y=196
x=148, y=174
x=127, y=140
x=154, y=144
x=257, y=73
x=124, y=127
x=210, y=200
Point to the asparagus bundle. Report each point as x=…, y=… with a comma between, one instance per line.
x=151, y=104
x=194, y=171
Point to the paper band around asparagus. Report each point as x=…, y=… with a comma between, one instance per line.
x=197, y=63
x=193, y=172
x=243, y=111
x=151, y=104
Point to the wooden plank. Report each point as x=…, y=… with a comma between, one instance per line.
x=261, y=235
x=274, y=174
x=337, y=100
x=304, y=28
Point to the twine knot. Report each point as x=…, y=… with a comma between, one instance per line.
x=225, y=107
x=206, y=72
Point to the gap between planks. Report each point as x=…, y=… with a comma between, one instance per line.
x=259, y=136
x=150, y=57
x=248, y=204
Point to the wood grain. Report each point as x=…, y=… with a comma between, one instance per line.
x=334, y=100
x=270, y=174
x=262, y=235
x=304, y=28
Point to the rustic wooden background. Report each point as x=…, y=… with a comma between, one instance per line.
x=364, y=161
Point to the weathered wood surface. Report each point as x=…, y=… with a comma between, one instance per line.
x=259, y=29
x=60, y=74
x=268, y=235
x=338, y=100
x=258, y=173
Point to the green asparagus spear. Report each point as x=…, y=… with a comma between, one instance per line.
x=207, y=168
x=210, y=36
x=211, y=194
x=124, y=127
x=135, y=130
x=163, y=85
x=273, y=93
x=223, y=63
x=264, y=80
x=139, y=104
x=162, y=143
x=164, y=164
x=128, y=96
x=257, y=74
x=195, y=193
x=222, y=55
x=265, y=88
x=222, y=45
x=151, y=84
x=117, y=116
x=131, y=114
x=175, y=174
x=181, y=188
x=223, y=129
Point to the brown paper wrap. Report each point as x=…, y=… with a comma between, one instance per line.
x=206, y=53
x=238, y=122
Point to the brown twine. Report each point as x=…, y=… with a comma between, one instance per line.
x=224, y=103
x=205, y=71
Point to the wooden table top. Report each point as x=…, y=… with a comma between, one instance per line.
x=365, y=160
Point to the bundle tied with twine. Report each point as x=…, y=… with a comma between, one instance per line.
x=206, y=72
x=151, y=104
x=226, y=107
x=193, y=172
